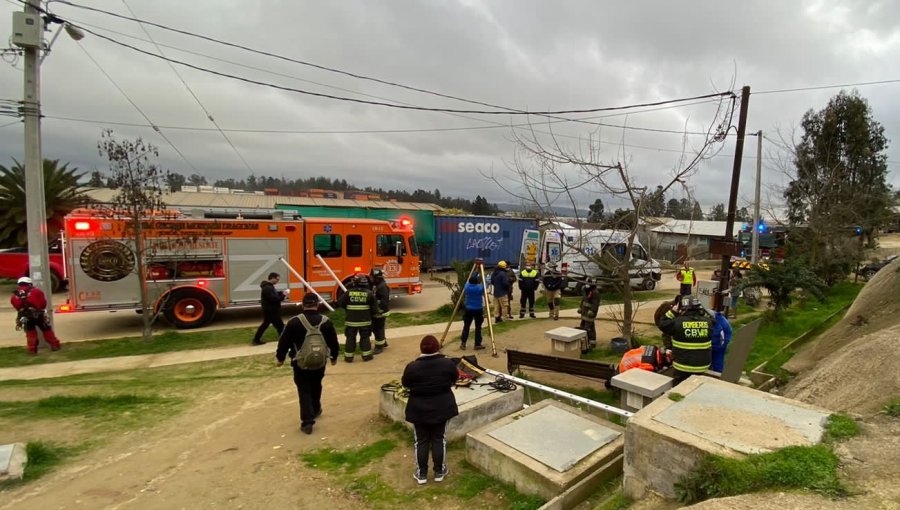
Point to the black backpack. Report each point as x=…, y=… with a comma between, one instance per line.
x=314, y=353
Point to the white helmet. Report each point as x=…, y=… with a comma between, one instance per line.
x=24, y=281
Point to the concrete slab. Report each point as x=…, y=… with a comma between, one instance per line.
x=664, y=440
x=546, y=449
x=574, y=437
x=12, y=461
x=478, y=406
x=640, y=387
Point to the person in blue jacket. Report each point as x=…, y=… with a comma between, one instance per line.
x=474, y=301
x=721, y=337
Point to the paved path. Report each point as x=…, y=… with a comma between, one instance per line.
x=66, y=368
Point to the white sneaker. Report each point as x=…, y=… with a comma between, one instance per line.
x=439, y=476
x=420, y=479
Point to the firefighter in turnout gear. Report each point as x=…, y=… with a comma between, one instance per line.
x=361, y=306
x=691, y=338
x=30, y=303
x=590, y=304
x=383, y=297
x=528, y=283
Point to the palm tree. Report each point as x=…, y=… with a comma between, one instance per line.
x=62, y=192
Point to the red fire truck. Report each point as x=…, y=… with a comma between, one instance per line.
x=200, y=261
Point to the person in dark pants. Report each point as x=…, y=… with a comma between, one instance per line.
x=361, y=306
x=691, y=338
x=308, y=382
x=430, y=379
x=587, y=310
x=474, y=296
x=271, y=305
x=383, y=297
x=687, y=277
x=528, y=284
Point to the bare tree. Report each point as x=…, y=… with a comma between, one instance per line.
x=551, y=173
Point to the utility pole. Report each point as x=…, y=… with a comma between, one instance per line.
x=35, y=200
x=755, y=246
x=732, y=198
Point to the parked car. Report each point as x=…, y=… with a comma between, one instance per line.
x=868, y=271
x=14, y=264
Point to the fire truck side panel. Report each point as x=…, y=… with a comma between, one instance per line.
x=249, y=262
x=103, y=273
x=328, y=239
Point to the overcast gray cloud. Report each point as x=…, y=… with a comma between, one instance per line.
x=520, y=54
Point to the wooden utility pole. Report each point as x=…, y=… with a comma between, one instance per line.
x=732, y=198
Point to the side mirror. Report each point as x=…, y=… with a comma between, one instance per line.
x=398, y=251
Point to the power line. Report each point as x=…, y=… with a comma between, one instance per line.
x=511, y=111
x=10, y=124
x=136, y=107
x=191, y=91
x=586, y=120
x=821, y=87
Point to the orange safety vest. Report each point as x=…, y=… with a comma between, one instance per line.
x=648, y=357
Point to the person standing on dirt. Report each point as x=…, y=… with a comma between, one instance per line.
x=383, y=297
x=473, y=293
x=361, y=306
x=528, y=284
x=587, y=310
x=308, y=381
x=691, y=338
x=31, y=304
x=511, y=276
x=553, y=284
x=501, y=287
x=687, y=277
x=721, y=337
x=271, y=306
x=430, y=379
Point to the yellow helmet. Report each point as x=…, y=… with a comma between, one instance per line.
x=501, y=264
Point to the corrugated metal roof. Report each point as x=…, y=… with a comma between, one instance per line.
x=694, y=228
x=242, y=201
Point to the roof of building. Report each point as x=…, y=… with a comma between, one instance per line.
x=694, y=228
x=250, y=201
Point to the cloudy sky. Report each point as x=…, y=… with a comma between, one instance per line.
x=519, y=54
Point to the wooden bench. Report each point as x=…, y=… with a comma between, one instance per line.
x=572, y=366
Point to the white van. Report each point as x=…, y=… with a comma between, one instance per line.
x=574, y=250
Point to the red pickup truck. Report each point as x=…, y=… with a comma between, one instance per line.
x=14, y=264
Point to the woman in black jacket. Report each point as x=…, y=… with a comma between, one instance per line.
x=430, y=379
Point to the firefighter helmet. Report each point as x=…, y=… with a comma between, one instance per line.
x=360, y=280
x=25, y=281
x=501, y=264
x=690, y=303
x=377, y=274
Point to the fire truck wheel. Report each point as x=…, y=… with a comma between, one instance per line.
x=188, y=309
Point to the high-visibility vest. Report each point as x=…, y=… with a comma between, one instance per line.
x=687, y=275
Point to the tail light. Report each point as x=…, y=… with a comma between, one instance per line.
x=64, y=308
x=417, y=288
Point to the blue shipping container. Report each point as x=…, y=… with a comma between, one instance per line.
x=491, y=238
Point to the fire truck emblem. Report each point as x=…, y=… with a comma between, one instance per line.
x=107, y=261
x=392, y=269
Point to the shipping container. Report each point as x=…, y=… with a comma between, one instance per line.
x=271, y=191
x=329, y=194
x=491, y=238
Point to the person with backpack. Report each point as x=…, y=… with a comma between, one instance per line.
x=311, y=341
x=31, y=314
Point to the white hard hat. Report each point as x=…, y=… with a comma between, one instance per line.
x=24, y=280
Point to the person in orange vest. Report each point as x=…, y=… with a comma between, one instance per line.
x=686, y=276
x=649, y=357
x=30, y=304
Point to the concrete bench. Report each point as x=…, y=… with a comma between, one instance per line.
x=640, y=387
x=565, y=365
x=566, y=341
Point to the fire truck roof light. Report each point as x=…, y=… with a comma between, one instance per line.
x=82, y=225
x=406, y=222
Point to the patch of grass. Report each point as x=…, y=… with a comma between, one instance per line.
x=619, y=501
x=840, y=427
x=675, y=396
x=43, y=457
x=796, y=467
x=98, y=408
x=774, y=334
x=328, y=459
x=892, y=408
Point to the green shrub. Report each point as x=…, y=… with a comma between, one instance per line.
x=840, y=427
x=892, y=408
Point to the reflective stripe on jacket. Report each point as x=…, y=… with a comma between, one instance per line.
x=360, y=305
x=691, y=340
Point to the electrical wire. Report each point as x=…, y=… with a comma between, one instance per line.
x=136, y=107
x=508, y=110
x=191, y=91
x=821, y=87
x=10, y=124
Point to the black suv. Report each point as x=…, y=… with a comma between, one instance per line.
x=869, y=270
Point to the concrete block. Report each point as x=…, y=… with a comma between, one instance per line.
x=12, y=461
x=546, y=449
x=478, y=406
x=565, y=341
x=640, y=387
x=664, y=440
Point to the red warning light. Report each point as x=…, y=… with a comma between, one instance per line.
x=82, y=226
x=201, y=283
x=357, y=269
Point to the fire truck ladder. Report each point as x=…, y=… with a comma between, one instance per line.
x=306, y=284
